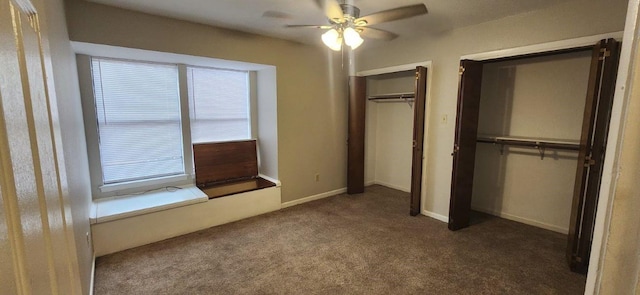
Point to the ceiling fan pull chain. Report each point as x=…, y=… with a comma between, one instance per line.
x=342, y=57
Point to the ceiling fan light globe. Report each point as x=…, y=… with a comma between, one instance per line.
x=355, y=44
x=337, y=46
x=352, y=38
x=332, y=39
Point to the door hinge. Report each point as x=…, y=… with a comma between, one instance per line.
x=588, y=161
x=604, y=53
x=456, y=148
x=461, y=70
x=417, y=75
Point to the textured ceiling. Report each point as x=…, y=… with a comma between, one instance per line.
x=268, y=17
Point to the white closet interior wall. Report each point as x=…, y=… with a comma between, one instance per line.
x=541, y=97
x=389, y=132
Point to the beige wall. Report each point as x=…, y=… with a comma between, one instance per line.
x=564, y=21
x=310, y=83
x=539, y=98
x=72, y=135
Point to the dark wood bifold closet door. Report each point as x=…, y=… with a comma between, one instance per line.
x=418, y=139
x=355, y=142
x=595, y=126
x=464, y=148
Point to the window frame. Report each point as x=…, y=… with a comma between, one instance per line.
x=101, y=190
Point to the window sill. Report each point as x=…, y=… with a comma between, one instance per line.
x=107, y=188
x=114, y=208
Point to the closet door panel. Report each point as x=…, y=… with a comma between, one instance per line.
x=597, y=114
x=464, y=149
x=35, y=237
x=355, y=142
x=418, y=139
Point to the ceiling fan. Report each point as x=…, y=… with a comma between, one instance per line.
x=345, y=23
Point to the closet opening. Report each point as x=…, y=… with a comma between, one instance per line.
x=530, y=140
x=385, y=146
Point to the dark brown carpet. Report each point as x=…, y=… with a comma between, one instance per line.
x=359, y=244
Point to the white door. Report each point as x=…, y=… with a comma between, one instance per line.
x=37, y=254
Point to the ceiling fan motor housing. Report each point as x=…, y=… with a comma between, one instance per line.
x=350, y=11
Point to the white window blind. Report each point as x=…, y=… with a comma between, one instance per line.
x=138, y=114
x=218, y=104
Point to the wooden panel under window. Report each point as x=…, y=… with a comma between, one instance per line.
x=236, y=187
x=224, y=161
x=227, y=168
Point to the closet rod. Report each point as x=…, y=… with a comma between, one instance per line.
x=539, y=144
x=407, y=97
x=404, y=96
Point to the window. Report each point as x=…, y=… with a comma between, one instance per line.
x=139, y=131
x=218, y=104
x=138, y=115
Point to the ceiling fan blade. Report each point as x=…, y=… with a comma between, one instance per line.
x=376, y=33
x=277, y=14
x=393, y=14
x=331, y=9
x=309, y=26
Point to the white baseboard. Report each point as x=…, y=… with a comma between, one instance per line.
x=531, y=222
x=93, y=275
x=505, y=216
x=314, y=197
x=393, y=186
x=435, y=216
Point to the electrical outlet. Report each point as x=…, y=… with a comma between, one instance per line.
x=317, y=177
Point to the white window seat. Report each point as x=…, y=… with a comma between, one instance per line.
x=125, y=223
x=114, y=208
